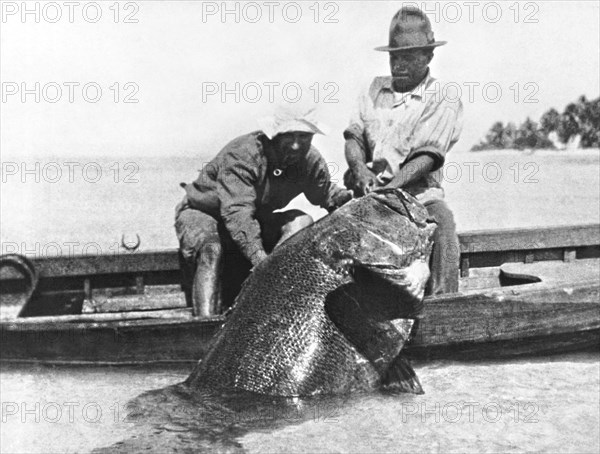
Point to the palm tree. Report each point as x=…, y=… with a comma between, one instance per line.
x=590, y=119
x=570, y=123
x=495, y=135
x=550, y=121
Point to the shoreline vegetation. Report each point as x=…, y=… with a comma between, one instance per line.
x=578, y=127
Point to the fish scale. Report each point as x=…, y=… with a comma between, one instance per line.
x=280, y=338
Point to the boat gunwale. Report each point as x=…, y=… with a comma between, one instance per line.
x=472, y=243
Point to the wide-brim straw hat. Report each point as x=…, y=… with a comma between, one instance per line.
x=291, y=118
x=410, y=29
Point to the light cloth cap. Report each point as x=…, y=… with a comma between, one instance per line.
x=290, y=118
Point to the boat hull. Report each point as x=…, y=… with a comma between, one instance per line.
x=533, y=319
x=523, y=292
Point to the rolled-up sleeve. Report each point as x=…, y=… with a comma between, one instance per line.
x=356, y=128
x=320, y=189
x=236, y=186
x=364, y=125
x=438, y=130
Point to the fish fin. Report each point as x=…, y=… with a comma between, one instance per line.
x=401, y=377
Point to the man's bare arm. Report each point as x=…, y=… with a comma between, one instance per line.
x=412, y=171
x=355, y=155
x=364, y=180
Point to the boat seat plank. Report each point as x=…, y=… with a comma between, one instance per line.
x=153, y=298
x=480, y=278
x=165, y=316
x=554, y=271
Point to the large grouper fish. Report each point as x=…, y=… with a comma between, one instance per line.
x=330, y=309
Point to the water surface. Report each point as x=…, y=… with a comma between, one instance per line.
x=537, y=404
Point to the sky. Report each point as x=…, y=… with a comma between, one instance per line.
x=147, y=78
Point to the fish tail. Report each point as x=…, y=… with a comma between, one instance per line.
x=401, y=377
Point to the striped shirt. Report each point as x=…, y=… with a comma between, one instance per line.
x=392, y=128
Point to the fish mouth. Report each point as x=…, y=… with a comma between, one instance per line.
x=396, y=200
x=403, y=203
x=386, y=282
x=376, y=315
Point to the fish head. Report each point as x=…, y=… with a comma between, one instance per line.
x=392, y=246
x=395, y=230
x=389, y=270
x=403, y=203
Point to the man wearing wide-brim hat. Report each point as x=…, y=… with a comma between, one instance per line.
x=399, y=136
x=226, y=222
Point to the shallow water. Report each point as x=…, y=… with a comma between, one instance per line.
x=61, y=409
x=540, y=404
x=491, y=407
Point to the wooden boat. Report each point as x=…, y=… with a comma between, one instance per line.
x=524, y=291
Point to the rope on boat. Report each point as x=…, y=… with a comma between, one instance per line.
x=26, y=267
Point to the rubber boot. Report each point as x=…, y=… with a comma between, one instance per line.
x=186, y=279
x=445, y=257
x=206, y=289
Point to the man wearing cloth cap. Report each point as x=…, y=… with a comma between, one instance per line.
x=401, y=132
x=227, y=222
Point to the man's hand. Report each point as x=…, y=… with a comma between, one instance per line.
x=339, y=199
x=411, y=171
x=258, y=257
x=363, y=180
x=358, y=177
